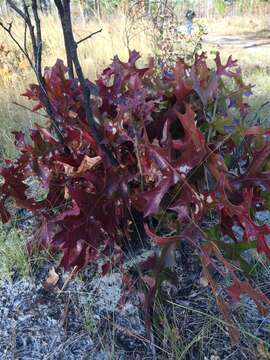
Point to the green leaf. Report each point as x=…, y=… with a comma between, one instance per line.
x=237, y=138
x=246, y=267
x=214, y=233
x=163, y=105
x=266, y=196
x=228, y=160
x=220, y=122
x=233, y=251
x=167, y=275
x=204, y=127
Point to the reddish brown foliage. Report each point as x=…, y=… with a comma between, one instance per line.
x=174, y=133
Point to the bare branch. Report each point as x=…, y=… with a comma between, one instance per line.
x=29, y=109
x=89, y=36
x=16, y=9
x=36, y=40
x=24, y=51
x=28, y=21
x=38, y=54
x=25, y=37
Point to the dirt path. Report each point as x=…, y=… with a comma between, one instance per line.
x=247, y=41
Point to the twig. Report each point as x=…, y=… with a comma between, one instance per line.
x=27, y=108
x=25, y=37
x=257, y=114
x=36, y=40
x=89, y=36
x=65, y=315
x=38, y=55
x=18, y=10
x=25, y=53
x=68, y=279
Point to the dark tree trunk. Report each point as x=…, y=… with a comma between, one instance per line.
x=63, y=7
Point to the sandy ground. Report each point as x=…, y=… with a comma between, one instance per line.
x=240, y=41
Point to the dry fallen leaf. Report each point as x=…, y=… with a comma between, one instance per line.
x=203, y=281
x=72, y=114
x=262, y=350
x=51, y=281
x=87, y=164
x=68, y=169
x=66, y=193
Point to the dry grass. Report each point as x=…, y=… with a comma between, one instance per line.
x=236, y=25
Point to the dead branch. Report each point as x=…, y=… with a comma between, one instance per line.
x=28, y=109
x=8, y=29
x=36, y=41
x=89, y=36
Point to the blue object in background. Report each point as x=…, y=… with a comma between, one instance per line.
x=190, y=14
x=189, y=26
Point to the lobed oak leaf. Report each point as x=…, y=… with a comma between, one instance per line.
x=243, y=287
x=161, y=240
x=225, y=69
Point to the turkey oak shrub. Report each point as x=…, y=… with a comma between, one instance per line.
x=184, y=155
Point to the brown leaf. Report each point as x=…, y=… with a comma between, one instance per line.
x=51, y=281
x=203, y=281
x=87, y=164
x=66, y=193
x=262, y=350
x=72, y=114
x=68, y=169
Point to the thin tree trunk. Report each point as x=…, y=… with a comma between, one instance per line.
x=65, y=17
